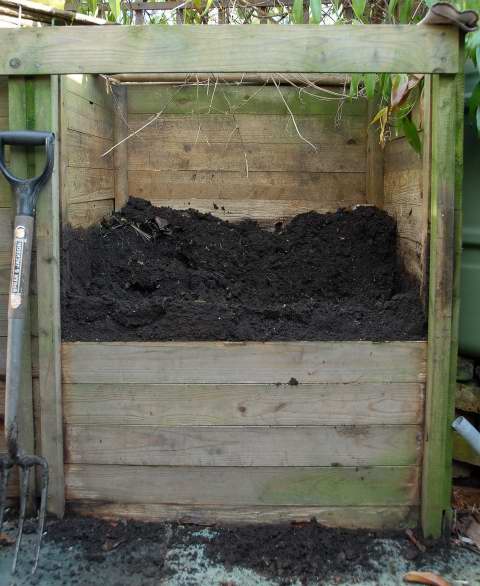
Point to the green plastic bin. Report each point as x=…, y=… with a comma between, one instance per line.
x=470, y=285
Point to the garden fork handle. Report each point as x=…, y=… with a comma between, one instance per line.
x=26, y=193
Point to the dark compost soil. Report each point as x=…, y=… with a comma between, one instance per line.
x=304, y=553
x=151, y=273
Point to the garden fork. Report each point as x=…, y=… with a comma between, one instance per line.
x=26, y=192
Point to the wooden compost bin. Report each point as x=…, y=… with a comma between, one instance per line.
x=201, y=430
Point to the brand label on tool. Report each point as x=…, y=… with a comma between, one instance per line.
x=16, y=288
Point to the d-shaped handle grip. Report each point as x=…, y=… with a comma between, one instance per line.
x=27, y=190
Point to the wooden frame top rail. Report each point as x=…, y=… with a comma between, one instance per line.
x=230, y=49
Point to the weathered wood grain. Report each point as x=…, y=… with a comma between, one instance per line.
x=82, y=150
x=227, y=404
x=244, y=157
x=89, y=87
x=437, y=477
x=87, y=117
x=329, y=486
x=376, y=518
x=148, y=445
x=120, y=154
x=243, y=362
x=45, y=115
x=5, y=197
x=224, y=48
x=202, y=188
x=237, y=100
x=86, y=213
x=264, y=128
x=84, y=185
x=405, y=201
x=266, y=212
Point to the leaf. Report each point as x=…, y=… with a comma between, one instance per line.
x=474, y=102
x=115, y=8
x=399, y=88
x=478, y=121
x=391, y=8
x=405, y=11
x=297, y=11
x=383, y=113
x=359, y=8
x=370, y=83
x=316, y=8
x=354, y=83
x=425, y=578
x=411, y=134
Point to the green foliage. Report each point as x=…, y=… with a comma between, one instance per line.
x=297, y=11
x=358, y=7
x=411, y=133
x=316, y=10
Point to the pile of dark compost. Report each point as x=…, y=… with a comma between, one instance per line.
x=149, y=273
x=304, y=553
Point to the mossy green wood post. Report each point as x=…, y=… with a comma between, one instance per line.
x=445, y=242
x=22, y=166
x=40, y=108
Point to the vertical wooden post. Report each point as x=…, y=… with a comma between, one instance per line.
x=374, y=178
x=45, y=117
x=120, y=154
x=426, y=186
x=446, y=126
x=22, y=165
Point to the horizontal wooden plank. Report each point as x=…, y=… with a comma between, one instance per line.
x=375, y=518
x=83, y=185
x=231, y=101
x=177, y=405
x=87, y=213
x=225, y=48
x=332, y=486
x=264, y=211
x=240, y=157
x=149, y=445
x=200, y=189
x=83, y=115
x=90, y=87
x=250, y=128
x=243, y=362
x=86, y=151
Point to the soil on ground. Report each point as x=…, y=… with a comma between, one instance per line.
x=149, y=273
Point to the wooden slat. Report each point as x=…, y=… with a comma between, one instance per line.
x=243, y=362
x=89, y=87
x=375, y=518
x=332, y=486
x=264, y=211
x=437, y=477
x=83, y=150
x=405, y=201
x=240, y=157
x=200, y=189
x=374, y=179
x=90, y=212
x=120, y=155
x=46, y=116
x=86, y=117
x=265, y=128
x=146, y=445
x=5, y=197
x=224, y=48
x=84, y=185
x=178, y=405
x=194, y=101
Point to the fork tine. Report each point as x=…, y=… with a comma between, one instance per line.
x=23, y=507
x=5, y=471
x=42, y=512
